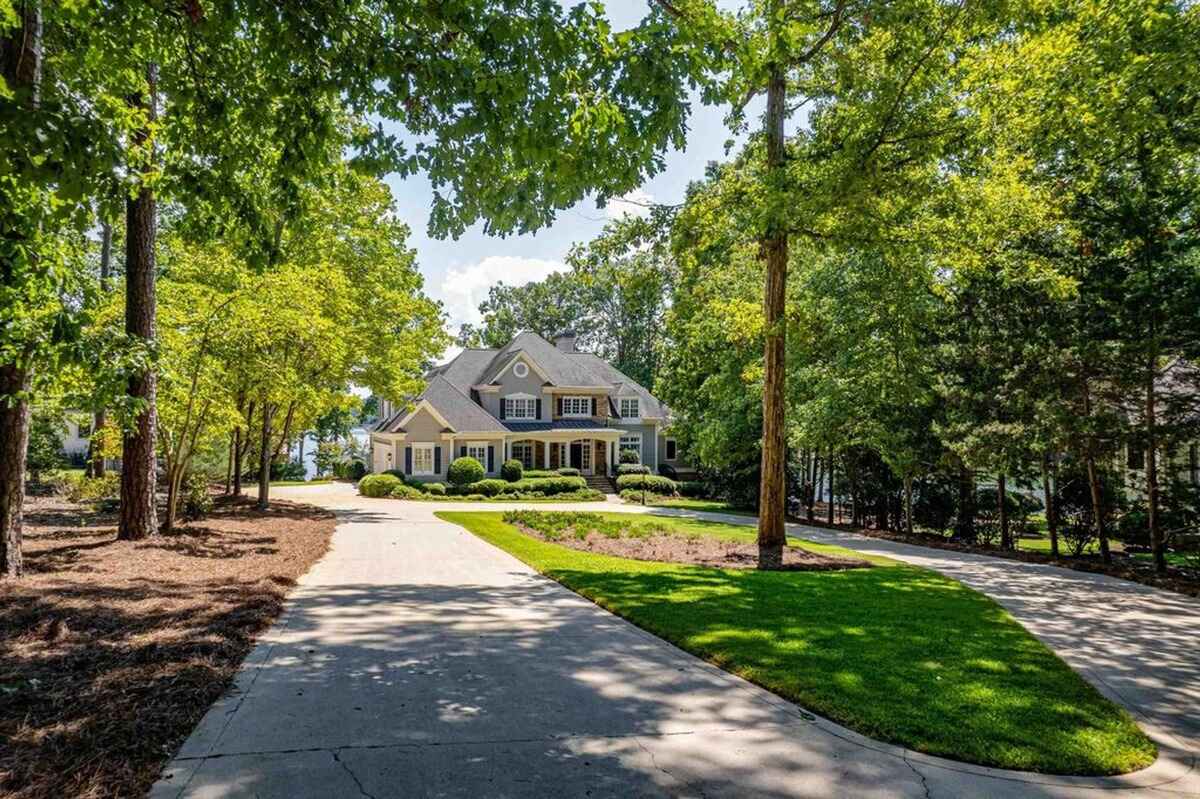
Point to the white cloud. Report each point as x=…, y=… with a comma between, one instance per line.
x=635, y=203
x=463, y=288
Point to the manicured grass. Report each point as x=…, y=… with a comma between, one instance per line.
x=708, y=505
x=895, y=652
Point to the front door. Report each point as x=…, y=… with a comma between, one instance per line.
x=581, y=456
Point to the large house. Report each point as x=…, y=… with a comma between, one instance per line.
x=546, y=405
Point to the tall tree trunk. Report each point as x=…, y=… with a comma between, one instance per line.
x=1006, y=541
x=237, y=461
x=1157, y=544
x=138, y=516
x=100, y=418
x=14, y=440
x=174, y=479
x=772, y=493
x=830, y=469
x=229, y=461
x=264, y=461
x=21, y=67
x=908, y=508
x=1051, y=510
x=1094, y=481
x=811, y=495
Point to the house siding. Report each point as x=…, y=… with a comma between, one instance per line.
x=650, y=447
x=424, y=429
x=532, y=385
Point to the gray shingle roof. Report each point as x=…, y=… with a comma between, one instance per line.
x=449, y=386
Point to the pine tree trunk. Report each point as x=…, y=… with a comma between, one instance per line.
x=1051, y=510
x=21, y=68
x=1157, y=544
x=14, y=440
x=830, y=469
x=908, y=508
x=772, y=493
x=964, y=523
x=264, y=461
x=139, y=517
x=1006, y=541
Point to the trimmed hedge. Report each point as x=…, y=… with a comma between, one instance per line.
x=403, y=491
x=692, y=488
x=650, y=482
x=568, y=471
x=512, y=470
x=436, y=489
x=632, y=468
x=628, y=456
x=539, y=473
x=465, y=470
x=547, y=486
x=378, y=485
x=396, y=473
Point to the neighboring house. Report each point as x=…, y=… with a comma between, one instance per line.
x=1178, y=390
x=546, y=405
x=75, y=442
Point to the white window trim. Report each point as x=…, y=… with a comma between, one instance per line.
x=621, y=410
x=416, y=470
x=587, y=406
x=481, y=448
x=525, y=444
x=621, y=442
x=521, y=369
x=508, y=414
x=667, y=442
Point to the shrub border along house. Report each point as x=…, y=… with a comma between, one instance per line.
x=532, y=485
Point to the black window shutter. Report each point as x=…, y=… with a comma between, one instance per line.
x=491, y=459
x=408, y=460
x=593, y=406
x=437, y=460
x=462, y=451
x=560, y=406
x=502, y=404
x=539, y=408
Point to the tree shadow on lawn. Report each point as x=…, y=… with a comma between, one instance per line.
x=896, y=653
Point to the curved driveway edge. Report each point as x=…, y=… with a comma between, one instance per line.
x=417, y=660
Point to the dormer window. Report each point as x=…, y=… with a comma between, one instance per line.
x=521, y=369
x=576, y=406
x=630, y=408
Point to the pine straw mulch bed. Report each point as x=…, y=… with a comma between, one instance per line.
x=694, y=550
x=1180, y=581
x=111, y=651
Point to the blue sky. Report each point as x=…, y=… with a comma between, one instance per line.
x=460, y=272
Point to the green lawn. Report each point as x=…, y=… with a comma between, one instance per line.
x=895, y=652
x=708, y=505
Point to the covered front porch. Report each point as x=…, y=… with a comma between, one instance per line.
x=591, y=451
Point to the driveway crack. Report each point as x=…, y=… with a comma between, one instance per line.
x=654, y=762
x=920, y=776
x=346, y=768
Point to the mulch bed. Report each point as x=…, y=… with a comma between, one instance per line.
x=697, y=551
x=111, y=651
x=1124, y=567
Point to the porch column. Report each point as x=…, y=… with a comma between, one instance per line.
x=546, y=454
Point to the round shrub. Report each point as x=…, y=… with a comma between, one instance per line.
x=512, y=470
x=561, y=484
x=403, y=491
x=464, y=471
x=629, y=456
x=435, y=489
x=568, y=471
x=490, y=487
x=356, y=470
x=654, y=483
x=632, y=468
x=397, y=473
x=691, y=488
x=378, y=485
x=197, y=501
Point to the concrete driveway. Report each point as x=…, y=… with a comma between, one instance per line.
x=416, y=660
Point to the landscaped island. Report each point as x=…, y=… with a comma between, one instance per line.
x=896, y=652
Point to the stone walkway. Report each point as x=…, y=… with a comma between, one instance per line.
x=417, y=660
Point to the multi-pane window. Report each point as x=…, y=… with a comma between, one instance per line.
x=630, y=408
x=523, y=452
x=422, y=455
x=478, y=451
x=633, y=442
x=520, y=408
x=576, y=406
